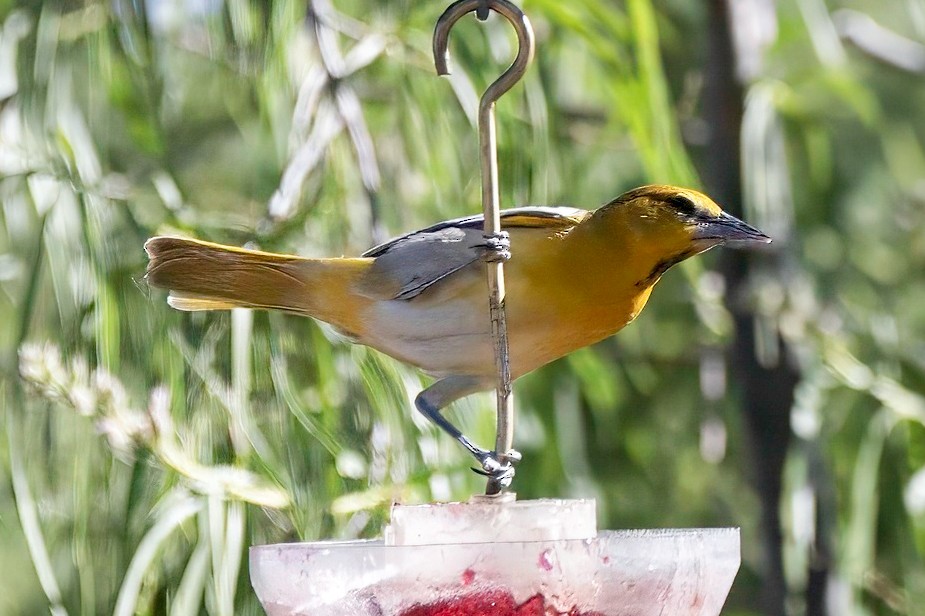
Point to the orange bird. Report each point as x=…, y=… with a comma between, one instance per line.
x=574, y=278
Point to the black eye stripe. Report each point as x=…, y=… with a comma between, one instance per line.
x=682, y=204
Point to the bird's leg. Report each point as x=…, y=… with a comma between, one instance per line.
x=437, y=396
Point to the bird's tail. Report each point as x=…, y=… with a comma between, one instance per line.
x=206, y=276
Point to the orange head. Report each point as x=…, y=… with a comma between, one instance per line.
x=663, y=225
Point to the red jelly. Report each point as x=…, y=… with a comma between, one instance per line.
x=534, y=606
x=491, y=603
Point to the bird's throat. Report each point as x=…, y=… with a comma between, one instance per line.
x=663, y=265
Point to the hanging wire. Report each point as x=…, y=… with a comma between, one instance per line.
x=497, y=243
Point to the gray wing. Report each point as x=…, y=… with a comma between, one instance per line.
x=405, y=266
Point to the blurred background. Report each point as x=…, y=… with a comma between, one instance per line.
x=144, y=449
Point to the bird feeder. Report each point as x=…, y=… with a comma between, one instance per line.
x=507, y=558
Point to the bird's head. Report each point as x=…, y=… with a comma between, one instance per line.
x=668, y=224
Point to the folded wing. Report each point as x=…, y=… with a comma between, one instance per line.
x=408, y=265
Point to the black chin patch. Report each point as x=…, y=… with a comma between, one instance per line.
x=663, y=266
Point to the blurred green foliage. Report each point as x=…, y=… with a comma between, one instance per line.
x=146, y=449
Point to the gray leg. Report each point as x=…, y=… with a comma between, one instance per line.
x=436, y=397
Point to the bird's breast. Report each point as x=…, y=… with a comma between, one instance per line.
x=557, y=301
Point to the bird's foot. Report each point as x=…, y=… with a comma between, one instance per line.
x=499, y=469
x=495, y=248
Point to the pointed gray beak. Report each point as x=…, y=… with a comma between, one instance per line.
x=727, y=229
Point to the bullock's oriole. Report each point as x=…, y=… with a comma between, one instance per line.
x=575, y=277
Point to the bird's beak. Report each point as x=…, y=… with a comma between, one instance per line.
x=727, y=229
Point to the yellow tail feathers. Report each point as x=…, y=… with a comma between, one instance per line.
x=192, y=304
x=207, y=276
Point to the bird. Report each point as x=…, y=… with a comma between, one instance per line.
x=574, y=277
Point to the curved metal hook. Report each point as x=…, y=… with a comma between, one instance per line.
x=525, y=42
x=504, y=456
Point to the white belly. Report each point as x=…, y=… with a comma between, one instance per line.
x=443, y=339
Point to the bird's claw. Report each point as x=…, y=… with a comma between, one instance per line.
x=495, y=247
x=513, y=456
x=499, y=468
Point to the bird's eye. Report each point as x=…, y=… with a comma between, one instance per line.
x=682, y=204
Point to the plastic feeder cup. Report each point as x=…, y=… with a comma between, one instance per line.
x=489, y=558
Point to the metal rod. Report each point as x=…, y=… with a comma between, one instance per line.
x=488, y=150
